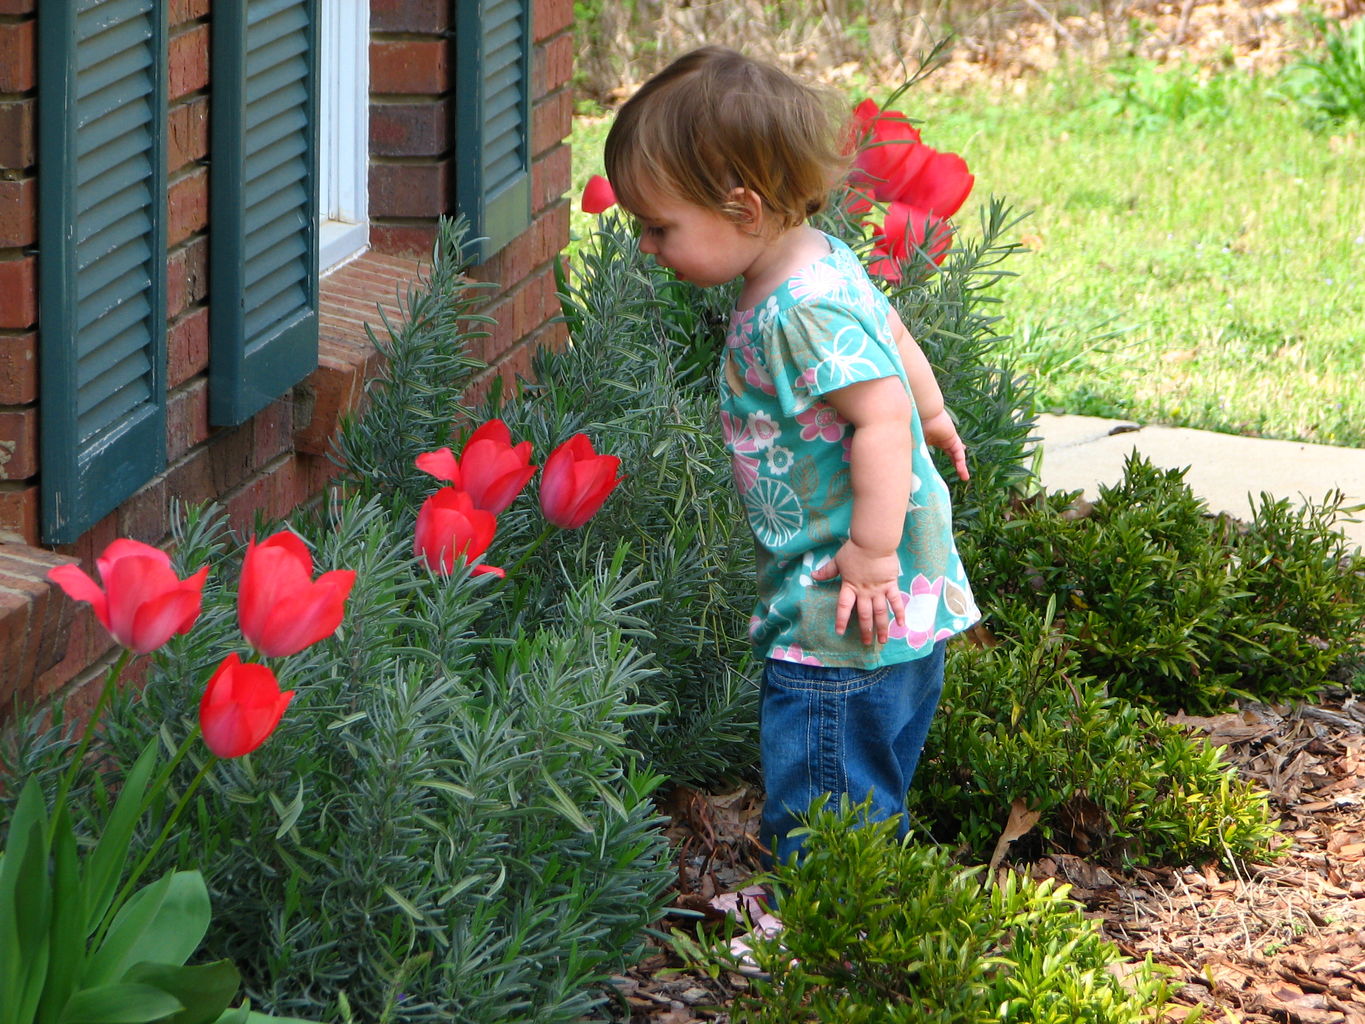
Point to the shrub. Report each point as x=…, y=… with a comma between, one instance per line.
x=1024, y=723
x=1330, y=83
x=1168, y=604
x=888, y=931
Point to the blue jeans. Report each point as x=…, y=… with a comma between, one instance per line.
x=842, y=731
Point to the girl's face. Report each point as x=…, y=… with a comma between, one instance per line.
x=699, y=245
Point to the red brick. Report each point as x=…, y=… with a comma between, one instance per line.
x=428, y=16
x=187, y=418
x=187, y=275
x=146, y=515
x=18, y=292
x=410, y=129
x=409, y=190
x=19, y=513
x=17, y=68
x=19, y=443
x=191, y=480
x=551, y=121
x=18, y=212
x=409, y=66
x=18, y=148
x=188, y=347
x=15, y=611
x=18, y=368
x=17, y=6
x=414, y=240
x=550, y=17
x=230, y=457
x=187, y=10
x=333, y=389
x=188, y=61
x=188, y=136
x=552, y=65
x=550, y=178
x=272, y=431
x=187, y=206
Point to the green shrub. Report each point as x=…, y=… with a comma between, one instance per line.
x=1024, y=723
x=1149, y=97
x=883, y=931
x=1168, y=604
x=1330, y=83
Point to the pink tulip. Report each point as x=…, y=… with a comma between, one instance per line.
x=598, y=195
x=241, y=706
x=143, y=603
x=576, y=481
x=280, y=607
x=449, y=526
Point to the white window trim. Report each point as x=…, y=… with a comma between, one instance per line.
x=343, y=136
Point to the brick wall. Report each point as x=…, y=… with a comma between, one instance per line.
x=51, y=648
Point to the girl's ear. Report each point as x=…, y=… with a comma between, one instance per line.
x=749, y=205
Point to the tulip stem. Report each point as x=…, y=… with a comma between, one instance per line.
x=150, y=855
x=110, y=685
x=545, y=532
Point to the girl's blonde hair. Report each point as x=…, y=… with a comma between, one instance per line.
x=713, y=121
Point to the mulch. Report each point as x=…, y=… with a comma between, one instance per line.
x=1276, y=943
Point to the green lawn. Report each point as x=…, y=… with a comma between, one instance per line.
x=1196, y=259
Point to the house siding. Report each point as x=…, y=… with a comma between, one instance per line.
x=275, y=461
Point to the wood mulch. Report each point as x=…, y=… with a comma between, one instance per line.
x=1277, y=943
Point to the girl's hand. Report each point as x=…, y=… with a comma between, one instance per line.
x=871, y=582
x=940, y=432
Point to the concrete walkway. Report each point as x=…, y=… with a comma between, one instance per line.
x=1081, y=452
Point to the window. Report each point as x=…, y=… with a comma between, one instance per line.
x=343, y=136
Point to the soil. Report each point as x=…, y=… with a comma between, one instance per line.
x=1276, y=943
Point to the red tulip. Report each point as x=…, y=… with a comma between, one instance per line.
x=280, y=607
x=241, y=706
x=575, y=482
x=441, y=464
x=449, y=526
x=143, y=603
x=495, y=470
x=940, y=186
x=598, y=195
x=890, y=153
x=907, y=231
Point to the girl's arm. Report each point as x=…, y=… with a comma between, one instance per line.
x=879, y=467
x=939, y=430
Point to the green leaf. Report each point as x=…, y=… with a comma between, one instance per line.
x=66, y=960
x=108, y=861
x=204, y=991
x=25, y=909
x=122, y=1003
x=163, y=922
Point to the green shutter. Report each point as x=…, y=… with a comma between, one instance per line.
x=263, y=234
x=102, y=256
x=493, y=119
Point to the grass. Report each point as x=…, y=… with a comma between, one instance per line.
x=1196, y=253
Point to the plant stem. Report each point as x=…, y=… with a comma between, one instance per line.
x=150, y=855
x=110, y=685
x=545, y=532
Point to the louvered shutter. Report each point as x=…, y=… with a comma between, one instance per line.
x=263, y=322
x=493, y=119
x=102, y=256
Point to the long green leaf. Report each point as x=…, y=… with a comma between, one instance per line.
x=162, y=923
x=123, y=1003
x=109, y=860
x=204, y=991
x=25, y=909
x=66, y=959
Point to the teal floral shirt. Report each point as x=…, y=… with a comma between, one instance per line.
x=825, y=328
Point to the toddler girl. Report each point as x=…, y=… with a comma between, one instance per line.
x=827, y=407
